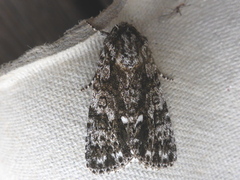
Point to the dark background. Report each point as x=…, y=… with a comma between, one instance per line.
x=25, y=24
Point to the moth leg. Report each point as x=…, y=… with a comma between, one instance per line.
x=86, y=86
x=165, y=77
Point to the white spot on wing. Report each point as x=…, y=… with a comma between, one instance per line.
x=124, y=120
x=139, y=119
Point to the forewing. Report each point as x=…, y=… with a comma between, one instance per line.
x=107, y=140
x=155, y=142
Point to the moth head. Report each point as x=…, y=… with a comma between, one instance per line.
x=125, y=43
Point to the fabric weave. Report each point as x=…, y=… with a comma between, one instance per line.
x=43, y=114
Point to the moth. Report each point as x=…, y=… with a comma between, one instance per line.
x=128, y=116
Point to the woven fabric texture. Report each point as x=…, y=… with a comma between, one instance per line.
x=43, y=114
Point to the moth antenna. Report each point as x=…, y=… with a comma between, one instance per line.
x=97, y=30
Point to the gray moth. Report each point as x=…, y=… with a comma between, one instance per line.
x=128, y=116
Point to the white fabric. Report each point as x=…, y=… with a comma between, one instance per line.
x=43, y=114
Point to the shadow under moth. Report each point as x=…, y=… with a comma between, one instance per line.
x=128, y=116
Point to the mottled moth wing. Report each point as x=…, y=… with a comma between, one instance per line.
x=106, y=148
x=155, y=145
x=128, y=116
x=107, y=139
